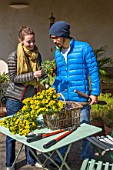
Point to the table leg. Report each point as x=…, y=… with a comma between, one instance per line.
x=35, y=155
x=48, y=156
x=64, y=159
x=17, y=157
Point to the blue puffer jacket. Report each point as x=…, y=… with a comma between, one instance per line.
x=73, y=75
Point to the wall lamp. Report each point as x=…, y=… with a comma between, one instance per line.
x=18, y=5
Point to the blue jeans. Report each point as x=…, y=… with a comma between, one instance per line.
x=87, y=149
x=12, y=107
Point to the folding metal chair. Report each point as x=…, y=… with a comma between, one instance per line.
x=103, y=154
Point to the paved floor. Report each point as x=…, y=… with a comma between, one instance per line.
x=74, y=156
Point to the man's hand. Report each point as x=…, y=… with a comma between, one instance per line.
x=93, y=99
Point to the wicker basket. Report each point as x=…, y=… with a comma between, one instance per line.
x=68, y=117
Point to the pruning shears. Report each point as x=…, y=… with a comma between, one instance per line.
x=31, y=137
x=101, y=102
x=54, y=141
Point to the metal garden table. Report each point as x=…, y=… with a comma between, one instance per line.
x=83, y=131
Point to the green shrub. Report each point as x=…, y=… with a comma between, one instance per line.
x=103, y=112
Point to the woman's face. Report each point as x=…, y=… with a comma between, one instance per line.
x=29, y=41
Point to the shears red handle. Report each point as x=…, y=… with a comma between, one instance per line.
x=54, y=141
x=39, y=136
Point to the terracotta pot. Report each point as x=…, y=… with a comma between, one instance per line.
x=108, y=130
x=2, y=111
x=98, y=124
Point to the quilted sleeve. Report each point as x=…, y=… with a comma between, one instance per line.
x=93, y=70
x=12, y=70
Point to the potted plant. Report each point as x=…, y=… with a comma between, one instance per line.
x=108, y=115
x=108, y=122
x=103, y=61
x=98, y=110
x=49, y=68
x=4, y=79
x=103, y=113
x=96, y=118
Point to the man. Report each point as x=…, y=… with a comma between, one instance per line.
x=75, y=62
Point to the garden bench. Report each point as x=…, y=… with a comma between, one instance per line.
x=96, y=165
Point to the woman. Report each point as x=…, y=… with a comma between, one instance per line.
x=24, y=73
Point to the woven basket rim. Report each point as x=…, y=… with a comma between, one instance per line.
x=78, y=105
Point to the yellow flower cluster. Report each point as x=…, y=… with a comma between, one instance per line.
x=43, y=102
x=25, y=120
x=20, y=123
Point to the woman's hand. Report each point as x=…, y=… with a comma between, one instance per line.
x=38, y=74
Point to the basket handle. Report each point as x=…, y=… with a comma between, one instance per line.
x=79, y=105
x=62, y=97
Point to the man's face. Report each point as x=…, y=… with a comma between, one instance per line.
x=58, y=41
x=29, y=41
